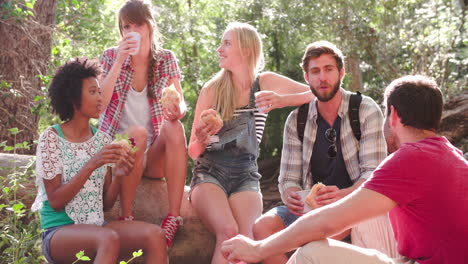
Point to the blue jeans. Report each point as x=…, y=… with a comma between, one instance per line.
x=232, y=177
x=282, y=211
x=46, y=236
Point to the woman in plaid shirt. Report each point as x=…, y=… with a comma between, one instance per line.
x=132, y=87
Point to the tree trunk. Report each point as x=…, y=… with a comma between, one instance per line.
x=353, y=69
x=25, y=49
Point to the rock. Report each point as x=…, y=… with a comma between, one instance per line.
x=13, y=165
x=454, y=123
x=269, y=169
x=193, y=243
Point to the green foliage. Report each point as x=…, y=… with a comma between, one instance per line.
x=136, y=254
x=20, y=11
x=84, y=28
x=20, y=232
x=388, y=38
x=81, y=256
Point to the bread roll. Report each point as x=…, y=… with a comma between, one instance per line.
x=122, y=142
x=210, y=116
x=310, y=199
x=170, y=97
x=126, y=142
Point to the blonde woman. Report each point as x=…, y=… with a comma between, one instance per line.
x=225, y=189
x=132, y=87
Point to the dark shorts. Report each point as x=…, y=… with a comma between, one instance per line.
x=46, y=237
x=230, y=179
x=283, y=212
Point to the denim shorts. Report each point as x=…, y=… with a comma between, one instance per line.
x=230, y=178
x=46, y=237
x=282, y=211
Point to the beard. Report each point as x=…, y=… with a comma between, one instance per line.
x=325, y=97
x=390, y=136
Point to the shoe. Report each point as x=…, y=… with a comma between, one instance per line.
x=170, y=225
x=127, y=218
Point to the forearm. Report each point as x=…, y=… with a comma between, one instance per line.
x=108, y=84
x=196, y=148
x=308, y=228
x=296, y=99
x=62, y=195
x=327, y=221
x=353, y=187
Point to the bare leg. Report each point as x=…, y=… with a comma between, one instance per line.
x=211, y=205
x=167, y=157
x=266, y=226
x=99, y=243
x=130, y=183
x=246, y=207
x=136, y=235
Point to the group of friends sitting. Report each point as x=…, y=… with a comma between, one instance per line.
x=408, y=207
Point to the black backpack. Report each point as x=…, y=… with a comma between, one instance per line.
x=353, y=112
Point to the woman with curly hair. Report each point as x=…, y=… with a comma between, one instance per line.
x=132, y=85
x=76, y=182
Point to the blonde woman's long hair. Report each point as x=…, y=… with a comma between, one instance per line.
x=140, y=12
x=222, y=83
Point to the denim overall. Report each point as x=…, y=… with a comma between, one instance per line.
x=231, y=163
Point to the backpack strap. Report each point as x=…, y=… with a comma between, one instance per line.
x=353, y=112
x=302, y=120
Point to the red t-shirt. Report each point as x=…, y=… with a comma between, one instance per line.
x=429, y=182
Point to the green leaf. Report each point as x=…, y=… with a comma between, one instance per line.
x=6, y=190
x=138, y=253
x=20, y=145
x=5, y=84
x=123, y=262
x=85, y=258
x=30, y=5
x=79, y=254
x=18, y=206
x=14, y=130
x=8, y=148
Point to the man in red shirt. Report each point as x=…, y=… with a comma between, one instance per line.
x=422, y=185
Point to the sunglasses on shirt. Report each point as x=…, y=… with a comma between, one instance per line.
x=330, y=135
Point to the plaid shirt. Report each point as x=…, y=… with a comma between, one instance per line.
x=360, y=157
x=166, y=68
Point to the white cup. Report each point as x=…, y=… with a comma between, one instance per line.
x=261, y=109
x=303, y=195
x=137, y=37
